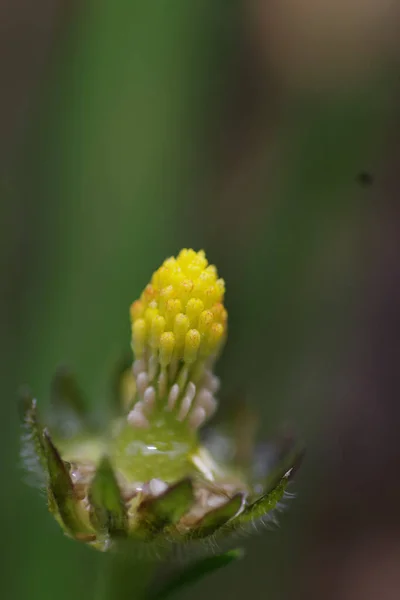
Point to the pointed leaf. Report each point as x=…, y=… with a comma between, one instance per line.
x=32, y=450
x=69, y=402
x=167, y=509
x=214, y=519
x=274, y=459
x=107, y=507
x=62, y=494
x=195, y=572
x=272, y=496
x=289, y=462
x=263, y=505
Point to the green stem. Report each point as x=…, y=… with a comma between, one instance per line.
x=124, y=578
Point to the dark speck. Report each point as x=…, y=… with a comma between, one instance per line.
x=365, y=178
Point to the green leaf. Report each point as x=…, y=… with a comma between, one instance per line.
x=155, y=514
x=197, y=571
x=273, y=492
x=107, y=507
x=62, y=495
x=32, y=450
x=263, y=505
x=214, y=519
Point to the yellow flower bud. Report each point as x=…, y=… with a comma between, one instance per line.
x=139, y=330
x=185, y=298
x=167, y=345
x=192, y=345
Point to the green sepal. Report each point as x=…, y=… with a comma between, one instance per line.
x=61, y=494
x=32, y=440
x=108, y=513
x=197, y=571
x=156, y=514
x=271, y=497
x=289, y=462
x=68, y=401
x=263, y=505
x=217, y=517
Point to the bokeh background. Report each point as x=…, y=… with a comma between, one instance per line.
x=266, y=132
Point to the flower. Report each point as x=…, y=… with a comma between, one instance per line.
x=149, y=477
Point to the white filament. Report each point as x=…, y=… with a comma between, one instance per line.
x=187, y=401
x=206, y=400
x=162, y=383
x=139, y=366
x=142, y=381
x=137, y=418
x=153, y=367
x=197, y=417
x=149, y=399
x=173, y=396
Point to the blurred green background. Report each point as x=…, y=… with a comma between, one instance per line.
x=267, y=135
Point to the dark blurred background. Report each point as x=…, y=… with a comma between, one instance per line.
x=267, y=133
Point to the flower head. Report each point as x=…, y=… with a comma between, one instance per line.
x=148, y=477
x=178, y=327
x=180, y=314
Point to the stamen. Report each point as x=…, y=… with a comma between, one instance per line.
x=187, y=401
x=167, y=345
x=156, y=331
x=153, y=367
x=162, y=383
x=139, y=366
x=192, y=345
x=142, y=381
x=181, y=327
x=173, y=396
x=139, y=331
x=206, y=400
x=211, y=381
x=149, y=399
x=197, y=417
x=136, y=417
x=173, y=368
x=183, y=377
x=193, y=310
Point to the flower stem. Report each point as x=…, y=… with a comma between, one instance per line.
x=124, y=578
